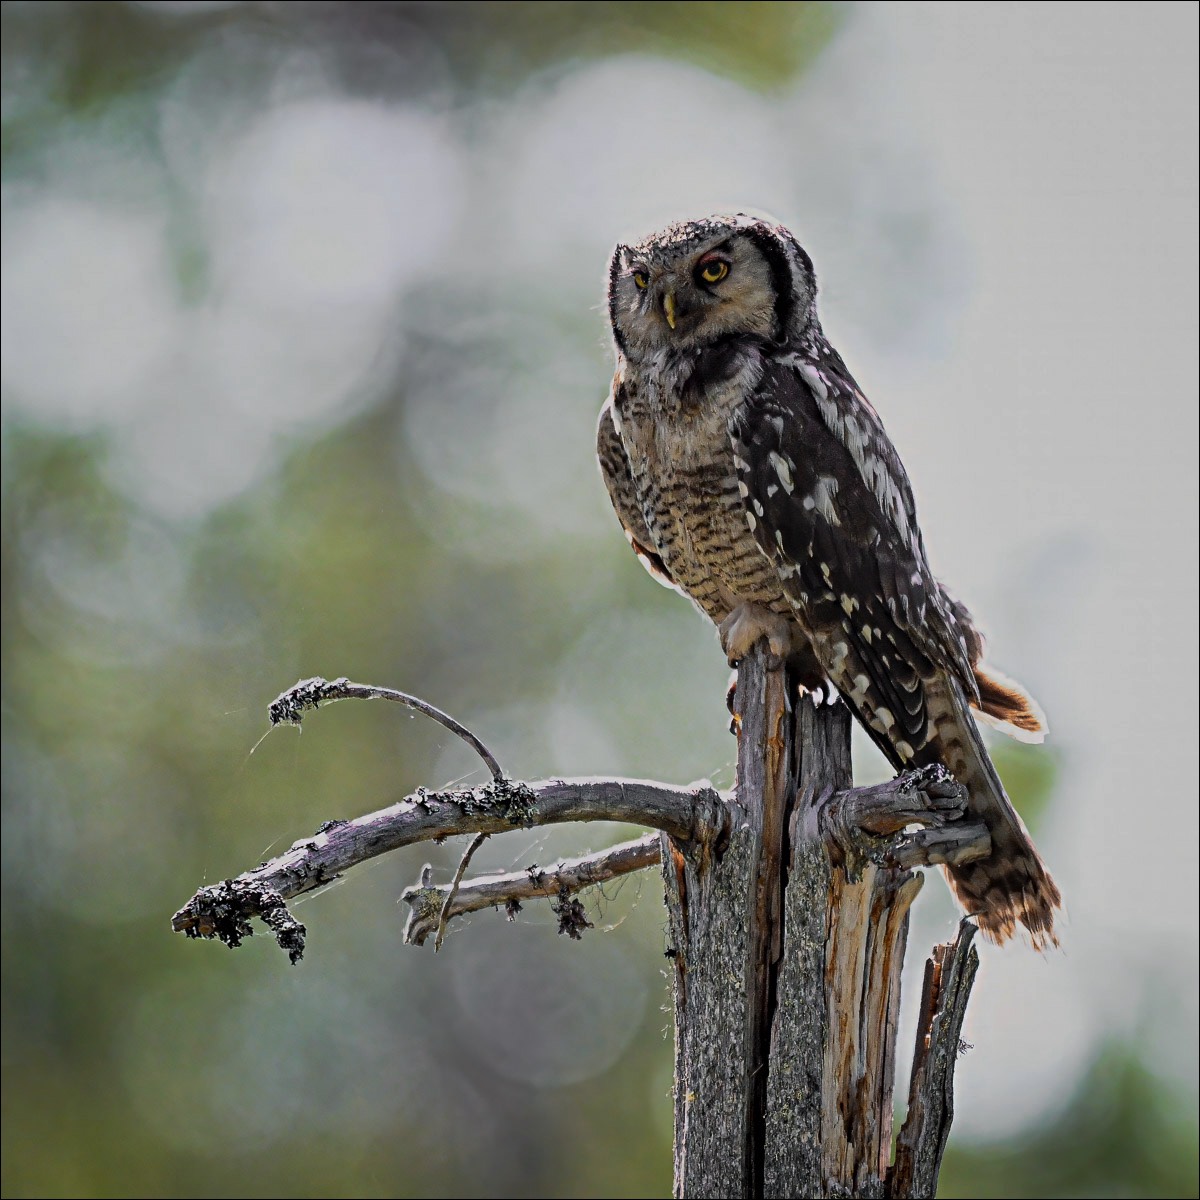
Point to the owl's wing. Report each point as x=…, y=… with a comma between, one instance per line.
x=830, y=504
x=618, y=479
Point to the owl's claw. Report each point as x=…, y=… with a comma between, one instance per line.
x=747, y=625
x=731, y=704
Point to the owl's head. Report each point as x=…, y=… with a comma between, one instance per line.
x=696, y=282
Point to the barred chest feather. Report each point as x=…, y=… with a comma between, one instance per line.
x=673, y=414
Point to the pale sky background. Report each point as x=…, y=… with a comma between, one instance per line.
x=1022, y=177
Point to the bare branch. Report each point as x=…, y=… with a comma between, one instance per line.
x=697, y=814
x=432, y=904
x=950, y=846
x=452, y=891
x=926, y=796
x=288, y=708
x=864, y=823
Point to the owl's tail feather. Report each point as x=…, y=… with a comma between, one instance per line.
x=1011, y=886
x=1007, y=706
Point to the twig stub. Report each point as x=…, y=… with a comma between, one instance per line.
x=224, y=911
x=949, y=974
x=289, y=707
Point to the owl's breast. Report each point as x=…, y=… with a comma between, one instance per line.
x=676, y=432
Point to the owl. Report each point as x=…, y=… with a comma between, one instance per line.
x=751, y=474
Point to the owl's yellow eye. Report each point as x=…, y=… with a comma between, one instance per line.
x=640, y=280
x=712, y=271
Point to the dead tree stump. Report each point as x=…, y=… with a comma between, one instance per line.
x=787, y=916
x=788, y=942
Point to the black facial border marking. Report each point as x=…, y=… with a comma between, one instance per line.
x=614, y=276
x=771, y=247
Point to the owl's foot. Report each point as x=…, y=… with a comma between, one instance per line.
x=819, y=694
x=747, y=625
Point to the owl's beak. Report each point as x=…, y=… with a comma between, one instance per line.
x=668, y=307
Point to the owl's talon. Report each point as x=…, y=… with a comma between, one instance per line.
x=746, y=626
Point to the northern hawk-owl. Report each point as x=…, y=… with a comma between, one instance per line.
x=751, y=473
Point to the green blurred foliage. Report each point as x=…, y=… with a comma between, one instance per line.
x=1029, y=774
x=139, y=653
x=116, y=48
x=1121, y=1135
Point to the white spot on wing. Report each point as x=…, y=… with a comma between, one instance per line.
x=784, y=470
x=814, y=379
x=857, y=433
x=823, y=493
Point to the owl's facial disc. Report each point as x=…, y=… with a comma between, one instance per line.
x=681, y=293
x=659, y=289
x=682, y=290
